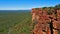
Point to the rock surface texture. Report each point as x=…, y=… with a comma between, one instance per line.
x=48, y=20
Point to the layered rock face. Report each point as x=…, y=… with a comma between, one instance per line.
x=48, y=20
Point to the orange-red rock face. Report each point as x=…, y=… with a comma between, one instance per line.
x=44, y=20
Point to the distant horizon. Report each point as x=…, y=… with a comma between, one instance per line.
x=28, y=8
x=22, y=9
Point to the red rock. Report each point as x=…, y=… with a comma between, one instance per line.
x=43, y=19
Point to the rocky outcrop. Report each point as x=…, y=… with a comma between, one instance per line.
x=48, y=20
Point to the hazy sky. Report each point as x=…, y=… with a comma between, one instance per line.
x=25, y=4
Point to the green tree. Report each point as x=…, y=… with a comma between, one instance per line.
x=44, y=7
x=57, y=6
x=51, y=7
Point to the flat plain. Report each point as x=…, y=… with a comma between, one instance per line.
x=15, y=22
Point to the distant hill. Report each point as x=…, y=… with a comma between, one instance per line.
x=15, y=10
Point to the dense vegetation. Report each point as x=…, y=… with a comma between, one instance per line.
x=15, y=23
x=55, y=7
